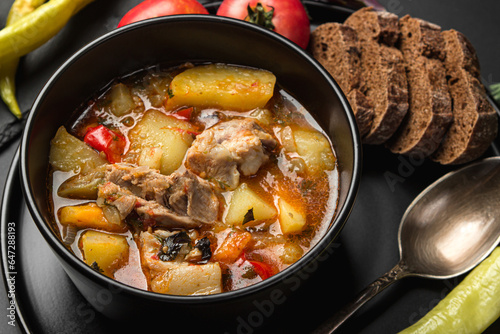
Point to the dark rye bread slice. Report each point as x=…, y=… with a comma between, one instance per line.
x=363, y=110
x=336, y=47
x=383, y=70
x=380, y=26
x=475, y=121
x=430, y=107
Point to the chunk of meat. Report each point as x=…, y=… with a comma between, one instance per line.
x=194, y=197
x=177, y=278
x=141, y=181
x=122, y=199
x=151, y=210
x=228, y=149
x=177, y=200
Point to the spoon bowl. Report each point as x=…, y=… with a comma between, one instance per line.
x=454, y=223
x=446, y=231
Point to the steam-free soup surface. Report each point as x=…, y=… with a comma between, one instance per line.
x=192, y=180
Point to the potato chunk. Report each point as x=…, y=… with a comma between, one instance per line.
x=223, y=86
x=88, y=216
x=292, y=219
x=243, y=200
x=159, y=133
x=151, y=157
x=108, y=251
x=70, y=154
x=189, y=280
x=315, y=149
x=177, y=278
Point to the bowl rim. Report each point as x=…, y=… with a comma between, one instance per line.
x=323, y=243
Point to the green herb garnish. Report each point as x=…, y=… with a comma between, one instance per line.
x=248, y=217
x=170, y=93
x=96, y=267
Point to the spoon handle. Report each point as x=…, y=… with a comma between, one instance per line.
x=329, y=326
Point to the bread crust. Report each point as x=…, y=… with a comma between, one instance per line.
x=475, y=123
x=411, y=86
x=336, y=47
x=378, y=26
x=363, y=110
x=430, y=108
x=383, y=69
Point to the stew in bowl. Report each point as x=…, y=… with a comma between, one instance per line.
x=191, y=180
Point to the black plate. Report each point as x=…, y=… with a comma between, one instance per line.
x=47, y=301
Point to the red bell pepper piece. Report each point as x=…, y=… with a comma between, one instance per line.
x=264, y=270
x=105, y=140
x=183, y=114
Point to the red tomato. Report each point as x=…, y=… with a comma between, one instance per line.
x=155, y=8
x=286, y=17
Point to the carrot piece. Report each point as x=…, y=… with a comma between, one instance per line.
x=88, y=216
x=232, y=247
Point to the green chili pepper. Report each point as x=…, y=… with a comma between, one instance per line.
x=25, y=33
x=495, y=92
x=19, y=9
x=470, y=307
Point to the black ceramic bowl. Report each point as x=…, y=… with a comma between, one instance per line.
x=172, y=41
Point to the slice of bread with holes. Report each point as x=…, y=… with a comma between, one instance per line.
x=413, y=87
x=430, y=107
x=336, y=47
x=383, y=69
x=475, y=122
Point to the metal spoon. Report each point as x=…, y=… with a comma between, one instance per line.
x=446, y=231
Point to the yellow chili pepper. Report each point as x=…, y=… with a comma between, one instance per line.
x=470, y=307
x=32, y=30
x=19, y=9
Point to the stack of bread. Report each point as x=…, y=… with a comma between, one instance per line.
x=412, y=86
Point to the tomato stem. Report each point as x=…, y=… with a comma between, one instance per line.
x=260, y=16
